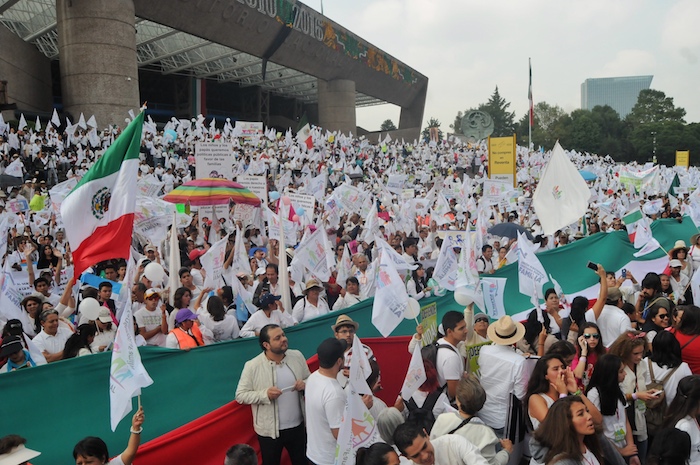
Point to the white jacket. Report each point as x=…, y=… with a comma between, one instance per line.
x=258, y=376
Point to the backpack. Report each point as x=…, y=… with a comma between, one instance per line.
x=656, y=409
x=423, y=414
x=430, y=351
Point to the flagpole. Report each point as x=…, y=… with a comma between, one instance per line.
x=530, y=109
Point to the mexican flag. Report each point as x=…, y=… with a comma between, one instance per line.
x=99, y=211
x=631, y=220
x=304, y=133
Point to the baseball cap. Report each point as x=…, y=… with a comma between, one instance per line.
x=195, y=254
x=10, y=345
x=267, y=299
x=104, y=315
x=149, y=248
x=150, y=292
x=185, y=314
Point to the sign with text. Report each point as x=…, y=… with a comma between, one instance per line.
x=428, y=319
x=249, y=129
x=307, y=202
x=213, y=160
x=255, y=184
x=502, y=158
x=683, y=158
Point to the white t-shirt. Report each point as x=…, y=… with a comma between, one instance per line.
x=217, y=331
x=151, y=320
x=258, y=320
x=614, y=426
x=450, y=363
x=612, y=322
x=289, y=406
x=325, y=402
x=452, y=449
x=305, y=310
x=690, y=426
x=52, y=344
x=670, y=384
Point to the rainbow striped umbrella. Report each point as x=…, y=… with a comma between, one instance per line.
x=211, y=191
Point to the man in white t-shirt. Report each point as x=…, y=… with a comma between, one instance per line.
x=325, y=402
x=271, y=312
x=449, y=360
x=52, y=338
x=612, y=320
x=151, y=320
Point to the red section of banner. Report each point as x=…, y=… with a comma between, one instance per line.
x=206, y=440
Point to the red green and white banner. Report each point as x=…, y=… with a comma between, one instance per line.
x=98, y=214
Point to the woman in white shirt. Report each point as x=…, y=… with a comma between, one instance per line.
x=312, y=305
x=216, y=325
x=665, y=363
x=683, y=413
x=349, y=295
x=415, y=286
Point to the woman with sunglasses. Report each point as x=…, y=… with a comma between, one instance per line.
x=590, y=349
x=658, y=319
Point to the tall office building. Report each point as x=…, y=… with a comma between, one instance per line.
x=619, y=92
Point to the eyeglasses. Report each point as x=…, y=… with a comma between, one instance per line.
x=481, y=320
x=663, y=316
x=594, y=336
x=346, y=331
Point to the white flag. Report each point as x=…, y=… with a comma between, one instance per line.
x=173, y=261
x=15, y=168
x=344, y=267
x=312, y=253
x=241, y=262
x=126, y=373
x=415, y=376
x=642, y=233
x=493, y=290
x=561, y=197
x=55, y=120
x=359, y=368
x=213, y=262
x=11, y=298
x=531, y=274
x=446, y=268
x=22, y=122
x=695, y=285
x=649, y=247
x=399, y=262
x=37, y=124
x=93, y=124
x=357, y=429
x=81, y=122
x=440, y=209
x=390, y=298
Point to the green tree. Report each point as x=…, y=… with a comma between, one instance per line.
x=654, y=107
x=432, y=123
x=387, y=125
x=612, y=131
x=585, y=132
x=503, y=120
x=546, y=117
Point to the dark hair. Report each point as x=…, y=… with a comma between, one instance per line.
x=671, y=446
x=599, y=349
x=405, y=434
x=241, y=454
x=40, y=280
x=91, y=446
x=264, y=336
x=690, y=321
x=451, y=319
x=485, y=247
x=353, y=280
x=273, y=267
x=182, y=271
x=420, y=282
x=110, y=265
x=628, y=308
x=329, y=351
x=533, y=327
x=11, y=441
x=227, y=295
x=79, y=340
x=651, y=281
x=666, y=350
x=141, y=286
x=549, y=292
x=579, y=306
x=179, y=294
x=686, y=401
x=374, y=454
x=215, y=307
x=409, y=242
x=105, y=284
x=562, y=441
x=563, y=349
x=538, y=382
x=604, y=378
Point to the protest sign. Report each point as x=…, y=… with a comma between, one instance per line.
x=307, y=202
x=213, y=160
x=255, y=184
x=249, y=129
x=18, y=205
x=428, y=319
x=396, y=183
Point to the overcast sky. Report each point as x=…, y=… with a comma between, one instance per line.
x=468, y=47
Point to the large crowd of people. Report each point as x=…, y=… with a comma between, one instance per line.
x=614, y=379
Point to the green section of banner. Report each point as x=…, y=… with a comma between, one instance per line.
x=54, y=406
x=612, y=250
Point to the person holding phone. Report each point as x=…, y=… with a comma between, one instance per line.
x=590, y=349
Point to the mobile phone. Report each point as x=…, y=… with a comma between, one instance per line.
x=624, y=272
x=592, y=266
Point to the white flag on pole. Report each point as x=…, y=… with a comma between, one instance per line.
x=127, y=374
x=55, y=120
x=357, y=429
x=415, y=376
x=37, y=124
x=240, y=262
x=493, y=290
x=561, y=197
x=446, y=268
x=531, y=274
x=173, y=261
x=695, y=285
x=390, y=298
x=344, y=267
x=360, y=368
x=22, y=122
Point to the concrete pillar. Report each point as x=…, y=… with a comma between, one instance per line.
x=336, y=105
x=97, y=50
x=411, y=118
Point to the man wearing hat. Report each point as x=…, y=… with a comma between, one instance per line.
x=186, y=334
x=257, y=258
x=152, y=322
x=325, y=402
x=152, y=254
x=312, y=305
x=17, y=356
x=271, y=312
x=502, y=371
x=679, y=281
x=273, y=382
x=198, y=273
x=345, y=329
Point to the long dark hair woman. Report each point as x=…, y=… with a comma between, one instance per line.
x=590, y=349
x=568, y=436
x=537, y=339
x=687, y=333
x=377, y=454
x=667, y=364
x=605, y=393
x=79, y=343
x=683, y=412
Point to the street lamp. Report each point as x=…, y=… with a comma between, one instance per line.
x=653, y=133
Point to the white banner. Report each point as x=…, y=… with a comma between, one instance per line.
x=312, y=254
x=390, y=298
x=213, y=160
x=256, y=184
x=493, y=290
x=213, y=263
x=307, y=202
x=396, y=183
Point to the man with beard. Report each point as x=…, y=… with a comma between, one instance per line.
x=273, y=382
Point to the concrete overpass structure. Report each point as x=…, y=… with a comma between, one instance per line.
x=277, y=49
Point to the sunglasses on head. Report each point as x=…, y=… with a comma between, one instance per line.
x=594, y=336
